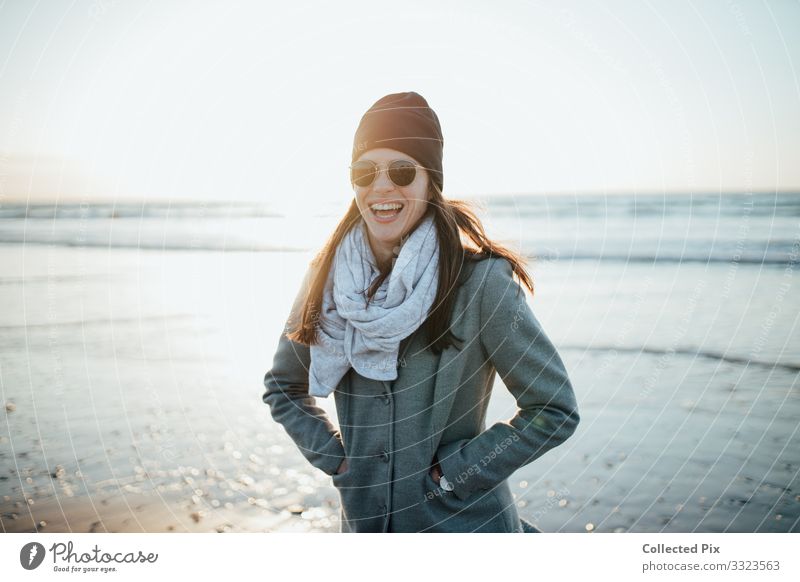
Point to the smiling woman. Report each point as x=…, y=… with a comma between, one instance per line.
x=391, y=195
x=406, y=315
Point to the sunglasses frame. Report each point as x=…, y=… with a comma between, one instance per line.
x=388, y=169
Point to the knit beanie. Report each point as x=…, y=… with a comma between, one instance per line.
x=406, y=123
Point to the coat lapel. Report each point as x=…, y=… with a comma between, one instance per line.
x=449, y=373
x=445, y=389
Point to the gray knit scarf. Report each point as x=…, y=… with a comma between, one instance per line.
x=367, y=337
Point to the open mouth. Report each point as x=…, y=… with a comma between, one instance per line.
x=386, y=211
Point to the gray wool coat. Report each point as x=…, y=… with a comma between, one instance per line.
x=391, y=432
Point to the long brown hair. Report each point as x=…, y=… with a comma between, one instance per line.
x=461, y=237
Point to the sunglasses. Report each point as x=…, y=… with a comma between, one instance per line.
x=401, y=172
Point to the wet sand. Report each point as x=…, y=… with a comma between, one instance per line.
x=174, y=512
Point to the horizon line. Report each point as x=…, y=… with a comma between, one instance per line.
x=182, y=200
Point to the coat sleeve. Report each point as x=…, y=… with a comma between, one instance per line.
x=533, y=372
x=290, y=404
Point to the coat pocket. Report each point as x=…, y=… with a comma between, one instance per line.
x=340, y=479
x=481, y=512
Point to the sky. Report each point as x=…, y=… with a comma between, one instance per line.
x=113, y=99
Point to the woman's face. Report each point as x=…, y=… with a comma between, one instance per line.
x=386, y=227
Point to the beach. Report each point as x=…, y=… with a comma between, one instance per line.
x=141, y=411
x=134, y=348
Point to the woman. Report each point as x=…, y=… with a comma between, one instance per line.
x=407, y=324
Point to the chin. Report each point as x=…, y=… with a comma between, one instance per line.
x=385, y=234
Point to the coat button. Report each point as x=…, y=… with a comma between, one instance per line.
x=385, y=398
x=383, y=509
x=385, y=457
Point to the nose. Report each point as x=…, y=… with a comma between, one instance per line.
x=382, y=182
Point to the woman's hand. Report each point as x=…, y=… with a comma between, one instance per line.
x=342, y=467
x=436, y=471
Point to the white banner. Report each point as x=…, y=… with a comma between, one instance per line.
x=369, y=556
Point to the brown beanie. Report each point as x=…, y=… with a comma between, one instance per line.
x=403, y=122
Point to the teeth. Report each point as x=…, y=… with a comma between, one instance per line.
x=387, y=206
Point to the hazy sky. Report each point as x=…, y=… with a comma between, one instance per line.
x=257, y=100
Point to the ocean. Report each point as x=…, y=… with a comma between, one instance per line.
x=135, y=337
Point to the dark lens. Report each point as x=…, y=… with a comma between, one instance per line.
x=363, y=173
x=402, y=172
